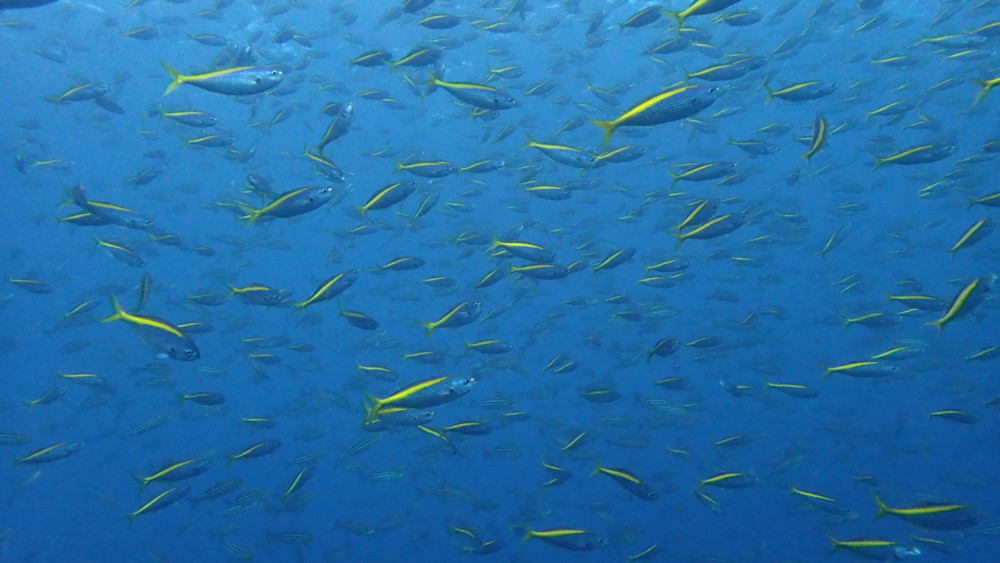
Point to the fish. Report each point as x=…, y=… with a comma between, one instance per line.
x=429, y=392
x=933, y=515
x=329, y=289
x=388, y=196
x=670, y=105
x=159, y=502
x=109, y=212
x=628, y=481
x=477, y=95
x=458, y=316
x=922, y=154
x=236, y=81
x=120, y=252
x=177, y=471
x=966, y=300
x=48, y=454
x=289, y=204
x=573, y=539
x=818, y=138
x=339, y=127
x=801, y=91
x=157, y=332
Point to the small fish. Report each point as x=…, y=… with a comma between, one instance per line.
x=162, y=335
x=478, y=95
x=238, y=81
x=672, y=105
x=290, y=204
x=421, y=394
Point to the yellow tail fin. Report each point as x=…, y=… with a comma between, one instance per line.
x=176, y=78
x=608, y=127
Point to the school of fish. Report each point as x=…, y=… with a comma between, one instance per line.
x=691, y=280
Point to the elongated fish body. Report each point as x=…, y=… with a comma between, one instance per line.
x=422, y=394
x=159, y=333
x=966, y=300
x=159, y=502
x=50, y=453
x=933, y=515
x=339, y=126
x=566, y=538
x=478, y=95
x=672, y=105
x=109, y=212
x=238, y=81
x=291, y=203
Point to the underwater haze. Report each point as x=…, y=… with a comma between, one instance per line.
x=509, y=280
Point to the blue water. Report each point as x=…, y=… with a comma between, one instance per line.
x=857, y=437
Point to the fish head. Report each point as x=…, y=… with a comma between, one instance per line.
x=139, y=223
x=185, y=353
x=503, y=102
x=271, y=78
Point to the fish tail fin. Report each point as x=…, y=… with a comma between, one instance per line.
x=826, y=372
x=251, y=216
x=984, y=88
x=608, y=127
x=531, y=142
x=428, y=328
x=142, y=483
x=597, y=469
x=676, y=16
x=176, y=78
x=119, y=313
x=878, y=163
x=432, y=83
x=680, y=240
x=834, y=544
x=232, y=290
x=372, y=412
x=882, y=508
